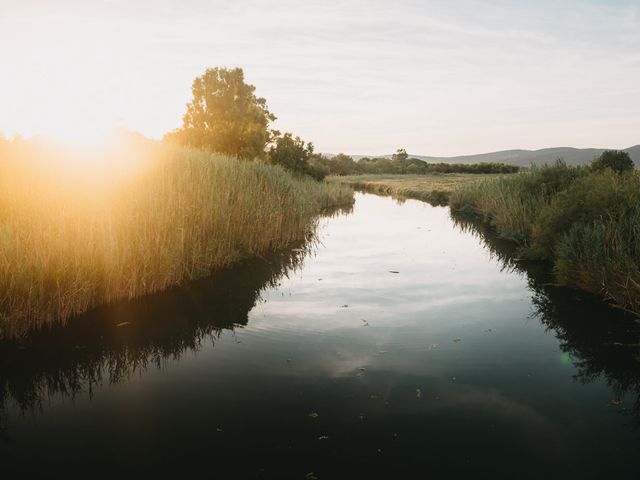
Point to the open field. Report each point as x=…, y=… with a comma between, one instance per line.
x=432, y=188
x=71, y=241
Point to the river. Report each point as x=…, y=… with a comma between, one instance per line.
x=401, y=343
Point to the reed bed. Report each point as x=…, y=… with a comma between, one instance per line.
x=586, y=223
x=433, y=188
x=73, y=238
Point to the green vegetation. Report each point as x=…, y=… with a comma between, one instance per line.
x=401, y=164
x=434, y=189
x=71, y=240
x=225, y=116
x=585, y=221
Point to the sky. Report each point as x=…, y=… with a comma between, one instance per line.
x=438, y=78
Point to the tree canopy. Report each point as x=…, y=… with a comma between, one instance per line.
x=225, y=116
x=616, y=160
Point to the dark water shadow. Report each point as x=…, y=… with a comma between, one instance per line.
x=111, y=343
x=602, y=341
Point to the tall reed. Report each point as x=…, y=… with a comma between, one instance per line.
x=587, y=223
x=73, y=240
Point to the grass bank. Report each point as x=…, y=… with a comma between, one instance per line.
x=74, y=237
x=433, y=188
x=585, y=223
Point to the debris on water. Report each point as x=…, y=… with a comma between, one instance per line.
x=323, y=437
x=361, y=417
x=311, y=476
x=393, y=271
x=362, y=369
x=418, y=393
x=319, y=279
x=364, y=322
x=314, y=415
x=488, y=330
x=379, y=451
x=457, y=339
x=122, y=324
x=433, y=346
x=615, y=402
x=344, y=306
x=219, y=429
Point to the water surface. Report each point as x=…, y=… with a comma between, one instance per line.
x=403, y=344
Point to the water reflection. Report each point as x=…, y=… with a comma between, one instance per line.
x=111, y=343
x=600, y=341
x=338, y=366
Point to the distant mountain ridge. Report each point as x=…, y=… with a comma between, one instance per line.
x=524, y=158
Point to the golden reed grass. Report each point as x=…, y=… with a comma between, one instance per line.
x=74, y=234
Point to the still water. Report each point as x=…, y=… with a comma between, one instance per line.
x=401, y=344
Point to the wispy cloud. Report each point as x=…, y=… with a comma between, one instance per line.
x=437, y=77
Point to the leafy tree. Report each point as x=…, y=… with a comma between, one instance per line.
x=225, y=116
x=290, y=152
x=343, y=164
x=616, y=160
x=401, y=155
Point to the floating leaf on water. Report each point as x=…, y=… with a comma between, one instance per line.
x=418, y=393
x=314, y=415
x=122, y=324
x=323, y=437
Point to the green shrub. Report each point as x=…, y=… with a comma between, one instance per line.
x=616, y=160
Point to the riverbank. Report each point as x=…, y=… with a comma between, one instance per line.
x=137, y=222
x=434, y=188
x=585, y=222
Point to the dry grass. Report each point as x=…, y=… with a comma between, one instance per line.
x=434, y=188
x=74, y=239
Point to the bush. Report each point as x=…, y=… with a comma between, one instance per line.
x=616, y=160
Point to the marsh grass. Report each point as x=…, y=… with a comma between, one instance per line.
x=433, y=188
x=586, y=223
x=71, y=240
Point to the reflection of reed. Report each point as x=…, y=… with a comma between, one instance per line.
x=112, y=342
x=602, y=341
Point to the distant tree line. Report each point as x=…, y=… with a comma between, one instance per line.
x=225, y=116
x=401, y=163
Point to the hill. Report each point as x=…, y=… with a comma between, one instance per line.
x=525, y=158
